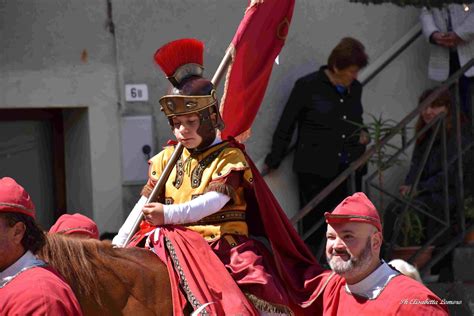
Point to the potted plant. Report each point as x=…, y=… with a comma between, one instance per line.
x=378, y=128
x=411, y=232
x=410, y=238
x=411, y=229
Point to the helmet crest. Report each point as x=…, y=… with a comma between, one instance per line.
x=182, y=63
x=181, y=59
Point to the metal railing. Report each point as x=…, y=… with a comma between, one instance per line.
x=400, y=129
x=375, y=67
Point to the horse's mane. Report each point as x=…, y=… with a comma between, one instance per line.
x=87, y=263
x=74, y=259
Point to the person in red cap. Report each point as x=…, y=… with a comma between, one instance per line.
x=28, y=286
x=76, y=225
x=362, y=283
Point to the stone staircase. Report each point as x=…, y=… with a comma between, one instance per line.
x=458, y=294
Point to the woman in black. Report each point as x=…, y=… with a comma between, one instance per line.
x=324, y=104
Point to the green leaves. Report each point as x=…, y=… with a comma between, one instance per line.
x=469, y=207
x=378, y=128
x=411, y=229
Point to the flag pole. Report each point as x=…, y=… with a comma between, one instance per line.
x=225, y=62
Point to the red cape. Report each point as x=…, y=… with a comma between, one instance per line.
x=298, y=268
x=303, y=277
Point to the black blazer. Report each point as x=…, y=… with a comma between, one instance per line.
x=326, y=138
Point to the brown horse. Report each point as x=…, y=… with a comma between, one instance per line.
x=110, y=281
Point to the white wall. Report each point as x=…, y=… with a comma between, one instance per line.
x=42, y=64
x=316, y=27
x=59, y=54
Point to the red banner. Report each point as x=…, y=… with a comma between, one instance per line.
x=257, y=42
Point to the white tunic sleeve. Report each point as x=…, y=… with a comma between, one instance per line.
x=196, y=209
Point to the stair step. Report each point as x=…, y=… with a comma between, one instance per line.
x=458, y=296
x=463, y=261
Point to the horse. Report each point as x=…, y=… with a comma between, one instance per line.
x=110, y=281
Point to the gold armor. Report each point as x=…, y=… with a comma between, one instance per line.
x=196, y=174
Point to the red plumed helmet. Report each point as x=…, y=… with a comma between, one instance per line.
x=180, y=59
x=182, y=62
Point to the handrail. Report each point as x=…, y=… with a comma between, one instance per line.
x=372, y=70
x=368, y=153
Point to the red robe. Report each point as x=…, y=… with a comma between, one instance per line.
x=38, y=291
x=296, y=272
x=402, y=296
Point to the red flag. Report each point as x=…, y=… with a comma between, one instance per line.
x=257, y=42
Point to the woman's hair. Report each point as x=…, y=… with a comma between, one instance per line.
x=444, y=99
x=34, y=238
x=349, y=52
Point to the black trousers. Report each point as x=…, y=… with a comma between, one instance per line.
x=465, y=86
x=309, y=186
x=466, y=98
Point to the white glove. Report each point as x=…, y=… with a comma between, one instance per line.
x=126, y=229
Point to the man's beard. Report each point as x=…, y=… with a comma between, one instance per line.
x=353, y=265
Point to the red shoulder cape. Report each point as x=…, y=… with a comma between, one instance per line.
x=298, y=268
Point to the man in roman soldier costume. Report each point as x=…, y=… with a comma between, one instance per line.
x=213, y=203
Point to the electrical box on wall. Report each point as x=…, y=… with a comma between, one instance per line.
x=137, y=148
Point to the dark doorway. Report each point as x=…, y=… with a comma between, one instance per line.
x=32, y=152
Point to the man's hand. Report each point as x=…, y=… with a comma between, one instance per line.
x=442, y=39
x=154, y=213
x=448, y=40
x=454, y=39
x=265, y=170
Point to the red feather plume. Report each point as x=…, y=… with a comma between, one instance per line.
x=177, y=53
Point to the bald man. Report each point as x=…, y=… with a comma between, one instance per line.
x=362, y=283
